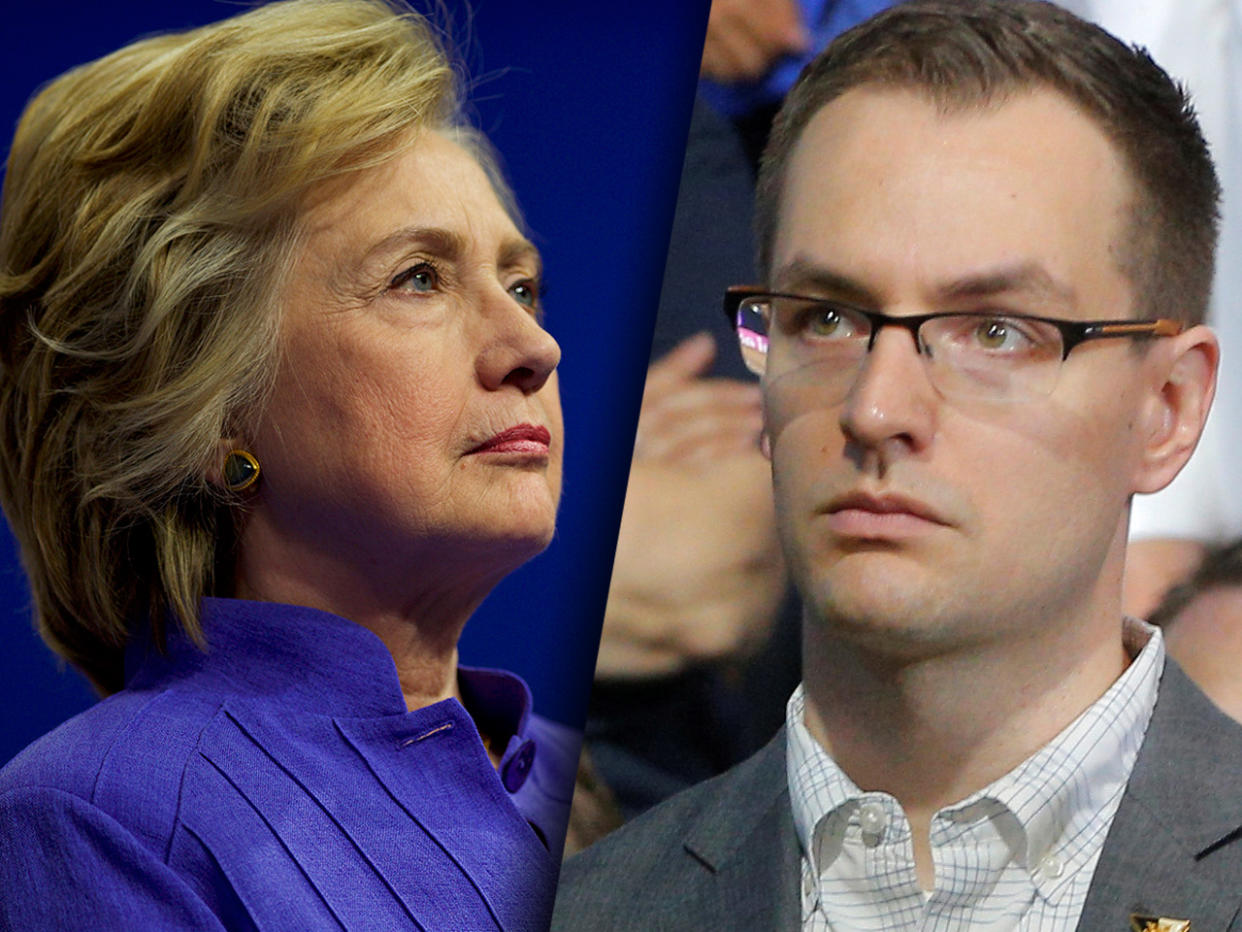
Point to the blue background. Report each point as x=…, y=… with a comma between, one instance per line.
x=589, y=109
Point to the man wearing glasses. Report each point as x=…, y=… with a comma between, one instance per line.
x=986, y=232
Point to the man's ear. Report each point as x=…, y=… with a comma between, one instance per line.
x=1184, y=382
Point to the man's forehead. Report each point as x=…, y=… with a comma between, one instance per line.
x=969, y=199
x=874, y=118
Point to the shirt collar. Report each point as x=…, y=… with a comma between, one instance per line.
x=310, y=661
x=1055, y=795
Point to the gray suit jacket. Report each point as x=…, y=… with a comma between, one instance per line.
x=724, y=854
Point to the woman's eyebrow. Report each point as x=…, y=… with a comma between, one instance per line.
x=519, y=251
x=451, y=245
x=445, y=243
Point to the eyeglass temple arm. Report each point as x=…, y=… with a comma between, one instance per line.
x=1153, y=328
x=1163, y=327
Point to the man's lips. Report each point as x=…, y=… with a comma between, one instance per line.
x=866, y=515
x=524, y=438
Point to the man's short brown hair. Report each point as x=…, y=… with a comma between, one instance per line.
x=975, y=54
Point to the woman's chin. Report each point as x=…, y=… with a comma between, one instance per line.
x=518, y=530
x=529, y=538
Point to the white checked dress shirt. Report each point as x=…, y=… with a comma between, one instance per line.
x=1018, y=855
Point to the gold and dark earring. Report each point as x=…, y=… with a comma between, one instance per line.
x=241, y=470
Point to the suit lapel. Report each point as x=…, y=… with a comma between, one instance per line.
x=1173, y=847
x=747, y=847
x=1144, y=871
x=759, y=890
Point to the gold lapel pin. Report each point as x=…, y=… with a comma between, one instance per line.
x=1157, y=924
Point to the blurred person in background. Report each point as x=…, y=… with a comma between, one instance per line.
x=1202, y=623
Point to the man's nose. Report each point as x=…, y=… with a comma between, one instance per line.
x=892, y=398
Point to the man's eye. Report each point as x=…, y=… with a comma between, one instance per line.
x=1001, y=334
x=992, y=334
x=826, y=320
x=419, y=278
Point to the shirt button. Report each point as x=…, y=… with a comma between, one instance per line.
x=516, y=769
x=1050, y=867
x=872, y=818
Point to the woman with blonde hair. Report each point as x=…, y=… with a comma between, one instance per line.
x=277, y=411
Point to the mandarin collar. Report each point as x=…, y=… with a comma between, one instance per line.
x=306, y=660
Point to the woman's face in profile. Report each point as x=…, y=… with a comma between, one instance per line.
x=415, y=419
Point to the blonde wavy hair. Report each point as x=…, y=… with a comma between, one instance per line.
x=150, y=214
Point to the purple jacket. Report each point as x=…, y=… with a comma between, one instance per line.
x=278, y=782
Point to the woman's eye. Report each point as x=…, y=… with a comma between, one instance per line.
x=417, y=278
x=526, y=292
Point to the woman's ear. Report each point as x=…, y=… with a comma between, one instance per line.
x=1176, y=408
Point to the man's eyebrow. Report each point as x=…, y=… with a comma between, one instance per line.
x=1027, y=278
x=803, y=275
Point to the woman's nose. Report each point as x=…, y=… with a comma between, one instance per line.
x=519, y=351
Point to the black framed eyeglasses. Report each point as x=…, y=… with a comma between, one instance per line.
x=999, y=356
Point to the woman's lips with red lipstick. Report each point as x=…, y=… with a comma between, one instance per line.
x=523, y=439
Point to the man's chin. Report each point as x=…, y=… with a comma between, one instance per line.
x=899, y=619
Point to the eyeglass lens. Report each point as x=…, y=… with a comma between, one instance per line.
x=993, y=357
